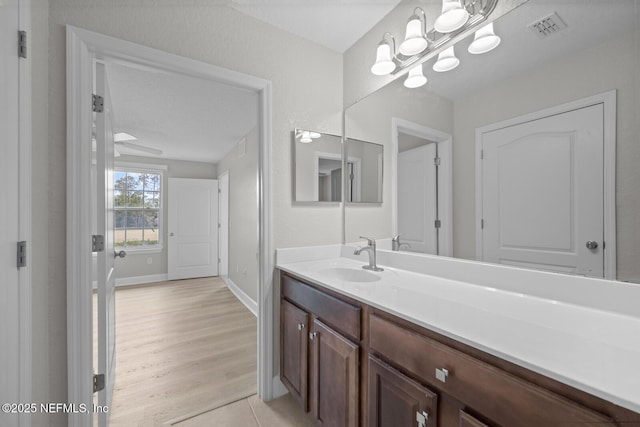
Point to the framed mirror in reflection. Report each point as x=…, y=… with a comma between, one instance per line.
x=317, y=167
x=363, y=175
x=543, y=132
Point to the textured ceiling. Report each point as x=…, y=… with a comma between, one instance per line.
x=187, y=118
x=336, y=24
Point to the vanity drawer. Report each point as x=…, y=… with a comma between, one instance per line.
x=501, y=396
x=341, y=315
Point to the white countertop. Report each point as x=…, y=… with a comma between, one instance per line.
x=591, y=349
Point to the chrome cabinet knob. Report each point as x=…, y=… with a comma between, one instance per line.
x=120, y=254
x=592, y=244
x=312, y=335
x=300, y=326
x=442, y=374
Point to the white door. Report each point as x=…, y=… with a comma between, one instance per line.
x=104, y=216
x=417, y=209
x=9, y=212
x=224, y=223
x=542, y=193
x=193, y=228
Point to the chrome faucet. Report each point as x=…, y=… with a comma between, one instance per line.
x=371, y=249
x=396, y=245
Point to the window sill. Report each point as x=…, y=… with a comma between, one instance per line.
x=133, y=250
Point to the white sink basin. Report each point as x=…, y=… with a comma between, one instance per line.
x=344, y=274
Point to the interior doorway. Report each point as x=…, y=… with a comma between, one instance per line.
x=85, y=47
x=422, y=185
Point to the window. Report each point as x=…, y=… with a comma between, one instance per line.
x=137, y=207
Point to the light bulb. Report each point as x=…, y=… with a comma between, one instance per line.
x=414, y=41
x=415, y=78
x=452, y=18
x=484, y=40
x=384, y=64
x=447, y=61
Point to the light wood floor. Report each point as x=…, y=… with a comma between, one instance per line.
x=183, y=348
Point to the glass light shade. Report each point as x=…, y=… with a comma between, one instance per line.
x=414, y=41
x=484, y=41
x=415, y=78
x=447, y=61
x=384, y=64
x=452, y=18
x=306, y=137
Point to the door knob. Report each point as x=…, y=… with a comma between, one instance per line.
x=171, y=234
x=592, y=244
x=120, y=254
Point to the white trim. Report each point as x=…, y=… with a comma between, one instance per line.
x=445, y=181
x=278, y=388
x=82, y=48
x=608, y=100
x=140, y=166
x=25, y=122
x=241, y=295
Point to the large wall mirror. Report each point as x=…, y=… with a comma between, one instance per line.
x=317, y=167
x=526, y=155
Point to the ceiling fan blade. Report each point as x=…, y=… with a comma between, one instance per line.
x=139, y=147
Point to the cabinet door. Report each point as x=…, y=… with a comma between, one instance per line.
x=467, y=420
x=293, y=351
x=396, y=400
x=334, y=378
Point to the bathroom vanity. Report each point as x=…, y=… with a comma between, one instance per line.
x=395, y=349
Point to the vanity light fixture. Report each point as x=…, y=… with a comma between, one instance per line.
x=452, y=18
x=415, y=78
x=384, y=56
x=447, y=61
x=457, y=17
x=307, y=136
x=484, y=40
x=415, y=40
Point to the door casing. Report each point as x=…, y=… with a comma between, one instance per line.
x=83, y=47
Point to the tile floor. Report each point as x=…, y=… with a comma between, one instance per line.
x=253, y=412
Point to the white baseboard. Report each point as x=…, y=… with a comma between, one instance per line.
x=278, y=388
x=137, y=280
x=243, y=297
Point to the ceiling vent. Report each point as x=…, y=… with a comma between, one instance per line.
x=548, y=25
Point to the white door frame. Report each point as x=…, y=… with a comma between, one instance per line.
x=223, y=225
x=83, y=47
x=445, y=177
x=23, y=175
x=608, y=100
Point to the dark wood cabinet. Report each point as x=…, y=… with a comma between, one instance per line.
x=349, y=365
x=395, y=400
x=293, y=363
x=333, y=377
x=320, y=354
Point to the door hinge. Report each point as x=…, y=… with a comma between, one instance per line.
x=97, y=243
x=436, y=161
x=481, y=154
x=98, y=382
x=22, y=44
x=22, y=254
x=421, y=418
x=98, y=103
x=437, y=223
x=482, y=224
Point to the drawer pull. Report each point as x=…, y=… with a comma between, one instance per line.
x=421, y=418
x=312, y=335
x=300, y=326
x=442, y=374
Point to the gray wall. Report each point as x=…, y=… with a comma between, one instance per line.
x=307, y=93
x=243, y=214
x=137, y=264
